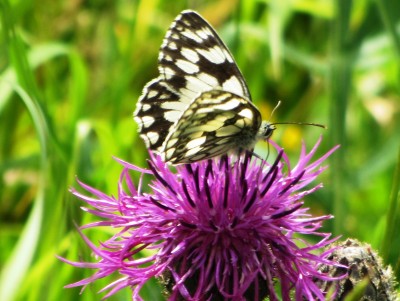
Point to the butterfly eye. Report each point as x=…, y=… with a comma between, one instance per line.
x=266, y=130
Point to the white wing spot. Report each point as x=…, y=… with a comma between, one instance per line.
x=187, y=66
x=171, y=142
x=231, y=104
x=168, y=155
x=216, y=124
x=186, y=22
x=145, y=107
x=203, y=33
x=172, y=116
x=209, y=79
x=151, y=94
x=147, y=121
x=168, y=34
x=196, y=142
x=247, y=113
x=190, y=54
x=214, y=55
x=193, y=151
x=204, y=110
x=191, y=35
x=233, y=85
x=168, y=73
x=172, y=46
x=167, y=58
x=228, y=56
x=240, y=123
x=196, y=84
x=174, y=105
x=164, y=96
x=153, y=137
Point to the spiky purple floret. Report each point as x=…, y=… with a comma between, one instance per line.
x=230, y=225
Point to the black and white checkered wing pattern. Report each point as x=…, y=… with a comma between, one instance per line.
x=215, y=123
x=192, y=60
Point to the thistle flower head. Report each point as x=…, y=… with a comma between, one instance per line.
x=218, y=230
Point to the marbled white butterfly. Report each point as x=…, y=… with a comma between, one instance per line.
x=199, y=107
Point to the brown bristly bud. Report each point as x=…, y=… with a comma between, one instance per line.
x=367, y=278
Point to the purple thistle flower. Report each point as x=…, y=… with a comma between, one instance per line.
x=221, y=229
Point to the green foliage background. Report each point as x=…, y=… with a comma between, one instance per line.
x=72, y=71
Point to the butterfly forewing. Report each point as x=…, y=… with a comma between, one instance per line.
x=214, y=123
x=199, y=107
x=193, y=59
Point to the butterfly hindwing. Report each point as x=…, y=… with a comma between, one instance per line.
x=215, y=122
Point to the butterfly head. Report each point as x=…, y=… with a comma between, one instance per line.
x=266, y=130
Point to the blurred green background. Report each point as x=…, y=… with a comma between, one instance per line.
x=72, y=71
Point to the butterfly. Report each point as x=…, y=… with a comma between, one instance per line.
x=199, y=107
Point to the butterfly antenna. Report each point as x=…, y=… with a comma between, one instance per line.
x=302, y=123
x=274, y=109
x=297, y=123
